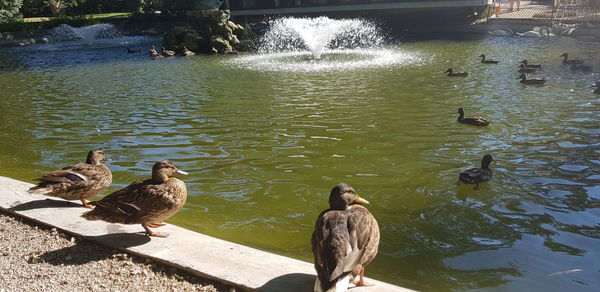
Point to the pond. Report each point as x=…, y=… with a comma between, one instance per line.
x=265, y=145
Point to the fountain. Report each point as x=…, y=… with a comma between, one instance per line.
x=86, y=34
x=321, y=44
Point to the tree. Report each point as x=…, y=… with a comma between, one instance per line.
x=9, y=10
x=57, y=7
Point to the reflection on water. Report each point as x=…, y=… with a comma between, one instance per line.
x=264, y=147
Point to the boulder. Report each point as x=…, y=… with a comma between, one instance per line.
x=221, y=44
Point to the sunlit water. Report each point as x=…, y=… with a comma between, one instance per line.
x=264, y=147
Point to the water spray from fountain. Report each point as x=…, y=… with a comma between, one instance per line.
x=319, y=34
x=86, y=34
x=338, y=44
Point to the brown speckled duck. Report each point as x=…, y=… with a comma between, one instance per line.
x=526, y=80
x=186, y=52
x=345, y=240
x=477, y=175
x=153, y=52
x=167, y=53
x=78, y=181
x=485, y=61
x=475, y=121
x=146, y=201
x=451, y=73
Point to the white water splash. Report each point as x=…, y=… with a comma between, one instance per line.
x=86, y=34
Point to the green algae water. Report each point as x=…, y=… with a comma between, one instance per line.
x=265, y=143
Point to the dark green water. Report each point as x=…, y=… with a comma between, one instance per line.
x=264, y=147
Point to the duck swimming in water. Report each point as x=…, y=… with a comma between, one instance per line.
x=527, y=65
x=526, y=80
x=477, y=175
x=146, y=201
x=79, y=181
x=345, y=240
x=566, y=60
x=451, y=73
x=597, y=85
x=523, y=69
x=475, y=121
x=484, y=61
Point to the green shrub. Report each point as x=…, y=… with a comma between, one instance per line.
x=9, y=10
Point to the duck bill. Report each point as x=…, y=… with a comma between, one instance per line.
x=179, y=171
x=361, y=200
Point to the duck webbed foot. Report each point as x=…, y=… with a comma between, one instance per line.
x=152, y=233
x=87, y=204
x=155, y=225
x=361, y=279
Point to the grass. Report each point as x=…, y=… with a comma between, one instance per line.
x=95, y=16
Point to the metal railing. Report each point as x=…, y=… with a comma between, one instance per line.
x=555, y=12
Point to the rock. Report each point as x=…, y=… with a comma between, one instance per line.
x=221, y=45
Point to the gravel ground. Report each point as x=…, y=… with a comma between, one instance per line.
x=36, y=258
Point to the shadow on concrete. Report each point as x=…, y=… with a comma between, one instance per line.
x=47, y=203
x=121, y=240
x=295, y=282
x=79, y=254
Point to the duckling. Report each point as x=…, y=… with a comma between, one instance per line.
x=523, y=69
x=153, y=52
x=566, y=60
x=167, y=53
x=134, y=51
x=345, y=240
x=477, y=175
x=526, y=80
x=79, y=181
x=146, y=201
x=451, y=73
x=527, y=65
x=475, y=121
x=187, y=52
x=483, y=60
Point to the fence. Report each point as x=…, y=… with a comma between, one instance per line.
x=552, y=12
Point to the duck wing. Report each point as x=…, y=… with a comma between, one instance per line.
x=471, y=175
x=343, y=241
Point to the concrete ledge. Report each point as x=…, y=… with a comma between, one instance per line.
x=211, y=258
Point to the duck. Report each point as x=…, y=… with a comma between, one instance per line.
x=133, y=51
x=542, y=32
x=526, y=80
x=344, y=242
x=153, y=52
x=523, y=69
x=527, y=65
x=483, y=60
x=502, y=32
x=167, y=53
x=147, y=201
x=566, y=60
x=187, y=52
x=597, y=85
x=451, y=73
x=79, y=181
x=475, y=121
x=477, y=175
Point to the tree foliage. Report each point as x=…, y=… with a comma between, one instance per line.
x=9, y=10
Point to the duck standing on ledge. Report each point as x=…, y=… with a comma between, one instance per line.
x=527, y=65
x=78, y=181
x=477, y=175
x=146, y=201
x=475, y=121
x=345, y=240
x=566, y=60
x=187, y=52
x=153, y=52
x=167, y=53
x=451, y=73
x=526, y=80
x=484, y=61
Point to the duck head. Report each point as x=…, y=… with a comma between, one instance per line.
x=461, y=112
x=482, y=56
x=486, y=160
x=95, y=156
x=342, y=196
x=449, y=70
x=564, y=55
x=524, y=62
x=163, y=170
